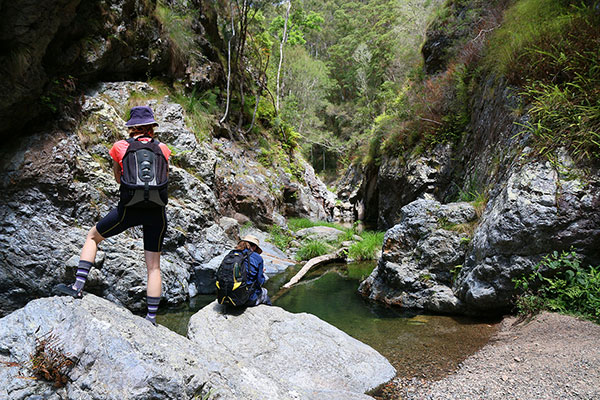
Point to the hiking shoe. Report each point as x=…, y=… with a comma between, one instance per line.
x=69, y=291
x=152, y=321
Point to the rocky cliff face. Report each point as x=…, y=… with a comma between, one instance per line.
x=55, y=185
x=533, y=207
x=49, y=50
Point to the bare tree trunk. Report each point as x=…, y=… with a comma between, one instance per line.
x=240, y=60
x=261, y=83
x=338, y=256
x=255, y=110
x=283, y=40
x=229, y=68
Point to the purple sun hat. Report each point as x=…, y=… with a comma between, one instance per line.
x=141, y=115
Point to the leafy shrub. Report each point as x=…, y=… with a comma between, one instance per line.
x=368, y=247
x=311, y=249
x=559, y=283
x=280, y=237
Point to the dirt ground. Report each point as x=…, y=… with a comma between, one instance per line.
x=550, y=357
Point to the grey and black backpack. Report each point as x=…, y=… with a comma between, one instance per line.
x=144, y=182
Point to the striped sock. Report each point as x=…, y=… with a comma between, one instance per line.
x=153, y=303
x=82, y=272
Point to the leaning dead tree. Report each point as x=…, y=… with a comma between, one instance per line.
x=338, y=256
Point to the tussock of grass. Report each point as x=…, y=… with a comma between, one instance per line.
x=526, y=23
x=368, y=247
x=312, y=249
x=178, y=26
x=200, y=109
x=295, y=224
x=550, y=48
x=280, y=237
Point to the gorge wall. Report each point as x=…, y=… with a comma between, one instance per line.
x=529, y=205
x=49, y=52
x=60, y=114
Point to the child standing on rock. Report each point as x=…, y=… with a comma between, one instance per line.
x=140, y=166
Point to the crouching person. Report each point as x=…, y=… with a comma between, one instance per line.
x=241, y=275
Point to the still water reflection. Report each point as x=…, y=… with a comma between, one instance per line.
x=417, y=345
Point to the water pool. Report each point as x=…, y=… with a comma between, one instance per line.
x=428, y=346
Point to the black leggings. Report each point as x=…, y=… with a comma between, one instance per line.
x=153, y=221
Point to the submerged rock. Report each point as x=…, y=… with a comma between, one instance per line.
x=299, y=351
x=264, y=353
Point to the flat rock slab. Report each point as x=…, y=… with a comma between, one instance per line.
x=324, y=233
x=299, y=350
x=121, y=356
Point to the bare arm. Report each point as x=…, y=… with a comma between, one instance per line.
x=117, y=171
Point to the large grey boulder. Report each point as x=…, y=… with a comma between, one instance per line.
x=119, y=355
x=309, y=200
x=419, y=176
x=56, y=185
x=298, y=351
x=420, y=255
x=540, y=209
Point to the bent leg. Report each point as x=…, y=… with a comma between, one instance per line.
x=87, y=258
x=90, y=247
x=154, y=288
x=114, y=221
x=154, y=279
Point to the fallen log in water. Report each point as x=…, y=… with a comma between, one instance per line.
x=338, y=256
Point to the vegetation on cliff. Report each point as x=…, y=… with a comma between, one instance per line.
x=560, y=283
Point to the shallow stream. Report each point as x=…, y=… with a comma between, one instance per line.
x=428, y=346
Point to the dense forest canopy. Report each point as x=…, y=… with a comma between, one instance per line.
x=349, y=82
x=318, y=72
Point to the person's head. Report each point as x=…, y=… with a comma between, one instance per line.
x=141, y=121
x=249, y=242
